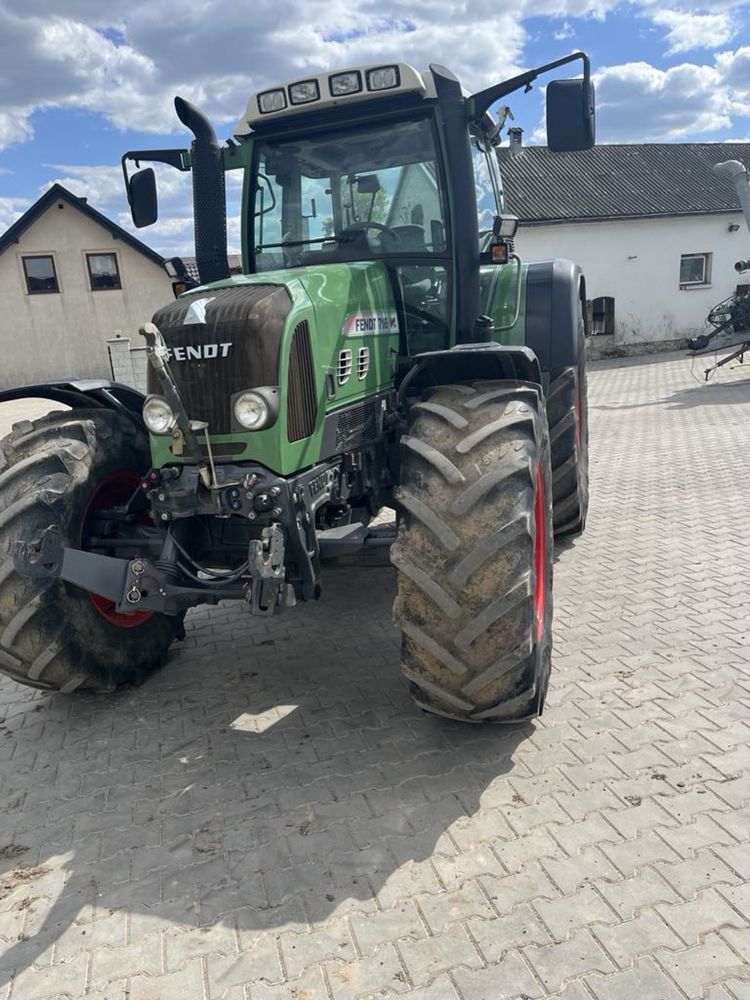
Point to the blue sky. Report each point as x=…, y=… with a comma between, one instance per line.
x=83, y=81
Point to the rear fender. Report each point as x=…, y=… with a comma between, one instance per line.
x=472, y=362
x=554, y=289
x=84, y=394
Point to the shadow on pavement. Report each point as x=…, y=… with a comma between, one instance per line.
x=271, y=775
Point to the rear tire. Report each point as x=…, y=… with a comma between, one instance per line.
x=53, y=635
x=567, y=414
x=474, y=552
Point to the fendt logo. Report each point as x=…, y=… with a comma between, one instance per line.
x=201, y=352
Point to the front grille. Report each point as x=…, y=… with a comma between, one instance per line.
x=301, y=405
x=221, y=342
x=358, y=425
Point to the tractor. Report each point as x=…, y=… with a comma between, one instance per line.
x=384, y=347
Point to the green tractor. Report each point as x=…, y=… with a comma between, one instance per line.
x=384, y=347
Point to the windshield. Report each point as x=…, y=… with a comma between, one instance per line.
x=359, y=194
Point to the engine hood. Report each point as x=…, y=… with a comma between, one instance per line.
x=223, y=338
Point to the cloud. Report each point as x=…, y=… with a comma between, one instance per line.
x=11, y=209
x=689, y=30
x=128, y=67
x=639, y=102
x=566, y=31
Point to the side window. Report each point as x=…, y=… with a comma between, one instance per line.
x=103, y=271
x=317, y=207
x=40, y=274
x=695, y=269
x=487, y=184
x=267, y=220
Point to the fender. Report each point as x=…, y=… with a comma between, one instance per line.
x=554, y=289
x=468, y=362
x=84, y=393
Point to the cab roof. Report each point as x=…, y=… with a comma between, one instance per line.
x=333, y=89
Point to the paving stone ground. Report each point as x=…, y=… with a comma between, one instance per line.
x=269, y=818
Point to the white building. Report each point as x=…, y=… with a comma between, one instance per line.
x=70, y=279
x=654, y=229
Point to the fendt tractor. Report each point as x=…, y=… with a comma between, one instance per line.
x=384, y=347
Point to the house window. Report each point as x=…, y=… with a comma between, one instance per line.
x=40, y=274
x=103, y=271
x=695, y=269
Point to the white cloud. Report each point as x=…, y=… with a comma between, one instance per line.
x=79, y=53
x=566, y=31
x=688, y=30
x=11, y=209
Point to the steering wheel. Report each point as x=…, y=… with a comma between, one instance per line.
x=361, y=226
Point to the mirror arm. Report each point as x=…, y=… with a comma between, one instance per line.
x=481, y=102
x=174, y=157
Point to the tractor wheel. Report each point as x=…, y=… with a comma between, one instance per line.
x=567, y=414
x=58, y=471
x=474, y=552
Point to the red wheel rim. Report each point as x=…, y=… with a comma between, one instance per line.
x=114, y=490
x=540, y=547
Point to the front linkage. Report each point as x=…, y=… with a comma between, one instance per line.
x=280, y=565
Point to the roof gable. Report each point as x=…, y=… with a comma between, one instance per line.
x=620, y=181
x=59, y=193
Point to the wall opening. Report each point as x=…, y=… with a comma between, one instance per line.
x=603, y=316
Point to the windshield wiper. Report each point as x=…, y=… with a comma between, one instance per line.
x=301, y=243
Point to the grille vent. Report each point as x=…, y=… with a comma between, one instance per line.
x=344, y=367
x=363, y=362
x=301, y=405
x=359, y=424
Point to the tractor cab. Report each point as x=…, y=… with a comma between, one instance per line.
x=378, y=163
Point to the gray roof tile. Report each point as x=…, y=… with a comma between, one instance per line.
x=619, y=181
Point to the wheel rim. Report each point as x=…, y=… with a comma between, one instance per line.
x=111, y=492
x=540, y=546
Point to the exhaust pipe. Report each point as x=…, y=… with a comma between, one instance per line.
x=209, y=194
x=734, y=171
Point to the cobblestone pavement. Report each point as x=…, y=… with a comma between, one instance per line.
x=270, y=818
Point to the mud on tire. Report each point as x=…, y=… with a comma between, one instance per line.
x=52, y=636
x=474, y=552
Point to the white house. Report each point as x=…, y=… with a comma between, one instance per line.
x=70, y=279
x=654, y=229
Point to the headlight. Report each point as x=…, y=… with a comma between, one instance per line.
x=256, y=409
x=272, y=100
x=304, y=92
x=158, y=415
x=383, y=78
x=345, y=83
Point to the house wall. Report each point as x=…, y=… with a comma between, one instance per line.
x=51, y=335
x=638, y=263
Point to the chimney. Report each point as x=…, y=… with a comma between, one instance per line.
x=515, y=136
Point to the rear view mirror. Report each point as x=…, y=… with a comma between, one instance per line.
x=570, y=115
x=368, y=184
x=142, y=197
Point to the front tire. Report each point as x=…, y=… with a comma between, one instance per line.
x=474, y=552
x=53, y=635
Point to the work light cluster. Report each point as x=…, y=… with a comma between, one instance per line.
x=339, y=85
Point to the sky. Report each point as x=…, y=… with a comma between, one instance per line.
x=81, y=81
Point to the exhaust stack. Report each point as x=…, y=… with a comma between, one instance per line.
x=209, y=194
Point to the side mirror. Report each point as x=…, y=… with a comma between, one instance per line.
x=142, y=198
x=570, y=115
